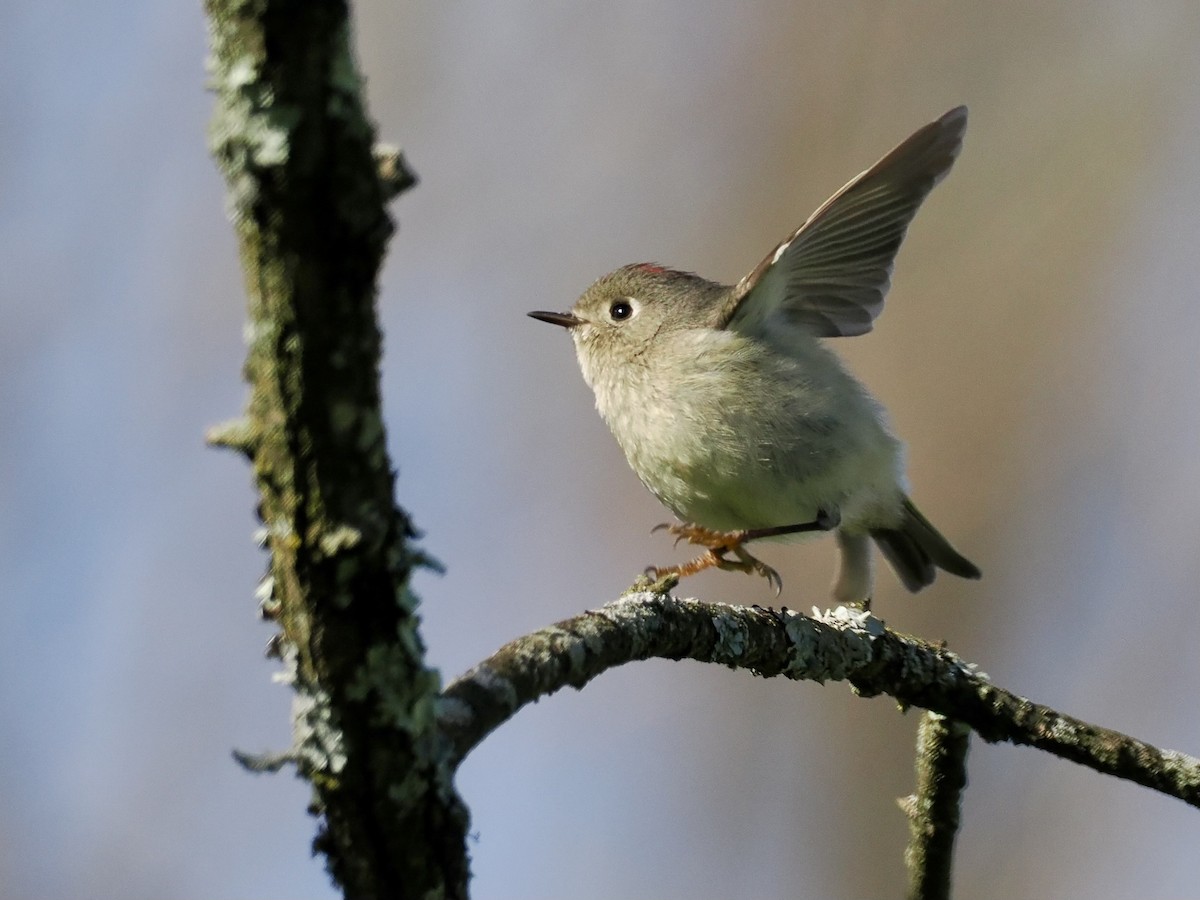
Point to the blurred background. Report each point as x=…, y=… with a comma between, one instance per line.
x=1038, y=354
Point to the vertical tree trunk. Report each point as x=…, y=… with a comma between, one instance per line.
x=294, y=143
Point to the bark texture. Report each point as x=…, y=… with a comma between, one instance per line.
x=308, y=198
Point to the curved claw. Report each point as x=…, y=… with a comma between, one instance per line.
x=774, y=580
x=680, y=531
x=771, y=575
x=753, y=566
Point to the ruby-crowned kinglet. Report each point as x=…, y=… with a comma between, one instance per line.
x=738, y=418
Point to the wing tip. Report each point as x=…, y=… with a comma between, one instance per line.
x=956, y=116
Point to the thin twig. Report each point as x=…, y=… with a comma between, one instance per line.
x=933, y=811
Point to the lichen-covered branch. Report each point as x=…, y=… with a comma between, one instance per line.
x=933, y=811
x=307, y=196
x=843, y=645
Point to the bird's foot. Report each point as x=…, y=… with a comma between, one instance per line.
x=718, y=544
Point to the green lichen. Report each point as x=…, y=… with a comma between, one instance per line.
x=733, y=638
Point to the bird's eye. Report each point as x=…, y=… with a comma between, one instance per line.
x=620, y=310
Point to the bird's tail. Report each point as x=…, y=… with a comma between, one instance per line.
x=916, y=550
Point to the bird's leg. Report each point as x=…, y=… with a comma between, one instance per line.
x=825, y=521
x=719, y=543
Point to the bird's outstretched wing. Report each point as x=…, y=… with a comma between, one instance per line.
x=830, y=276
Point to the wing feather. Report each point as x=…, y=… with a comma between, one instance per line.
x=832, y=273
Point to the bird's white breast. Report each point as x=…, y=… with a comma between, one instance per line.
x=731, y=432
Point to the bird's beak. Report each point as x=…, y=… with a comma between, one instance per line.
x=566, y=320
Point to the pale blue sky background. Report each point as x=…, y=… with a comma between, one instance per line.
x=1038, y=353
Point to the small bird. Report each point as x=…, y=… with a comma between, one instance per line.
x=734, y=413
